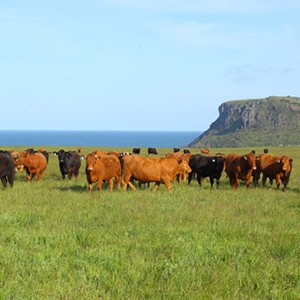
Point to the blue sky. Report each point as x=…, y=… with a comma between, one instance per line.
x=142, y=65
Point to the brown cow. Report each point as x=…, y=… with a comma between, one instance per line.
x=273, y=167
x=204, y=151
x=148, y=169
x=240, y=168
x=35, y=164
x=104, y=168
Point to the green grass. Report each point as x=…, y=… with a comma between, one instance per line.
x=57, y=241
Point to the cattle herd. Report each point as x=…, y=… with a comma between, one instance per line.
x=126, y=169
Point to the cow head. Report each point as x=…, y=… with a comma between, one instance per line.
x=91, y=159
x=183, y=166
x=286, y=163
x=251, y=160
x=218, y=163
x=61, y=155
x=21, y=157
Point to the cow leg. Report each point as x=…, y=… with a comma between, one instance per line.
x=11, y=179
x=199, y=178
x=111, y=184
x=264, y=179
x=218, y=183
x=70, y=175
x=100, y=182
x=4, y=181
x=42, y=175
x=90, y=187
x=118, y=182
x=211, y=181
x=130, y=184
x=36, y=177
x=190, y=176
x=157, y=184
x=278, y=181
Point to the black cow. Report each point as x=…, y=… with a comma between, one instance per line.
x=176, y=150
x=136, y=150
x=69, y=163
x=7, y=168
x=206, y=166
x=152, y=150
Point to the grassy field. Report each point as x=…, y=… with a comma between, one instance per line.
x=57, y=241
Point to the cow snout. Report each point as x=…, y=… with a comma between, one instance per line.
x=90, y=168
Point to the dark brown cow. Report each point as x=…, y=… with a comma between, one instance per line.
x=148, y=169
x=274, y=167
x=240, y=168
x=7, y=172
x=104, y=168
x=152, y=150
x=35, y=164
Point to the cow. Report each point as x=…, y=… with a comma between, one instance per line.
x=186, y=151
x=7, y=168
x=266, y=150
x=206, y=166
x=136, y=150
x=273, y=167
x=69, y=163
x=175, y=150
x=104, y=168
x=149, y=169
x=35, y=164
x=204, y=151
x=240, y=167
x=152, y=151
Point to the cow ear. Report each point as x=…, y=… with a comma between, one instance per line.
x=291, y=160
x=245, y=158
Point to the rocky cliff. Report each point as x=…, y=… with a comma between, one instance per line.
x=259, y=122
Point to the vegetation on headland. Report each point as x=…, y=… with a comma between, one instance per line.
x=58, y=241
x=269, y=121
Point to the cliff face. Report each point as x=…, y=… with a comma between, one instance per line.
x=262, y=122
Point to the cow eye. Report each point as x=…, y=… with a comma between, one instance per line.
x=245, y=158
x=213, y=160
x=279, y=161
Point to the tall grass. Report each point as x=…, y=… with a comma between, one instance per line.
x=57, y=241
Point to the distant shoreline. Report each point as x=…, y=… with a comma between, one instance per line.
x=104, y=138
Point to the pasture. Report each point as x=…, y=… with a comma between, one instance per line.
x=58, y=241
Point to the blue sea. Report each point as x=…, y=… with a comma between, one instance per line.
x=159, y=139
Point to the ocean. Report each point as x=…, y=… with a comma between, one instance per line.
x=159, y=139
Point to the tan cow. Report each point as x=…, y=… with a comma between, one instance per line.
x=35, y=164
x=149, y=169
x=104, y=168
